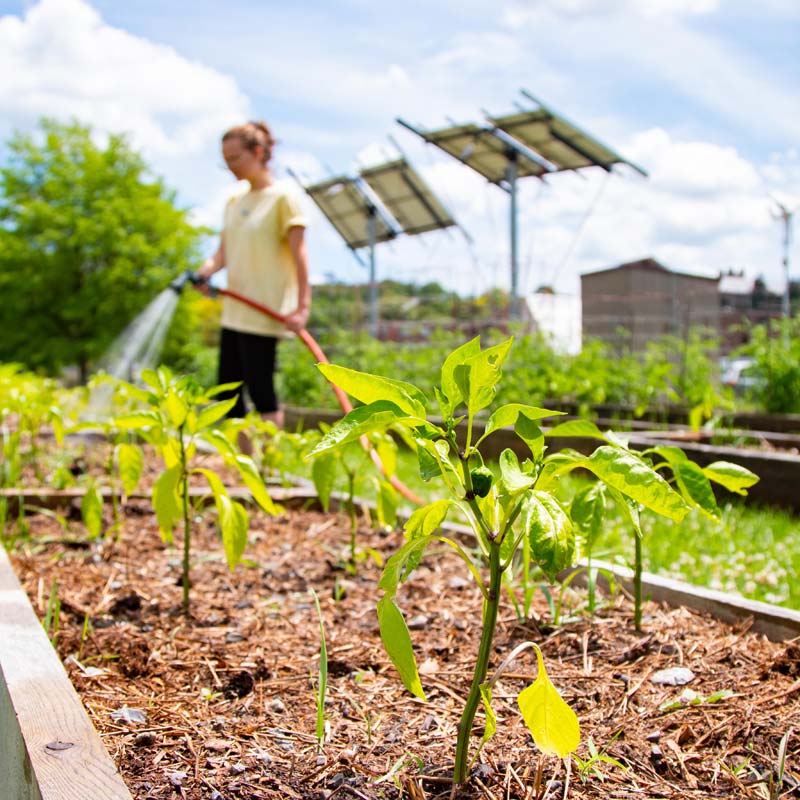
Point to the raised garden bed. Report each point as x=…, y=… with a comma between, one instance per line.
x=227, y=694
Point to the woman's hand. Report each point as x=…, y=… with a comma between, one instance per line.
x=296, y=321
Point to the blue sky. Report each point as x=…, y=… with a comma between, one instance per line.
x=702, y=93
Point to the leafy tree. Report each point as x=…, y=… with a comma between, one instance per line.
x=88, y=236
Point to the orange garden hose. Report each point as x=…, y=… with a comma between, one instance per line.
x=344, y=401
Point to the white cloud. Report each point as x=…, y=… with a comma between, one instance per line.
x=519, y=14
x=654, y=44
x=62, y=60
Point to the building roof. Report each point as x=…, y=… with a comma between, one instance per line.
x=650, y=265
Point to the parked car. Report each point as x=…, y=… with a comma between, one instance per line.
x=738, y=373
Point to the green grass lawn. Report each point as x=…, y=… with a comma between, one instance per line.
x=751, y=551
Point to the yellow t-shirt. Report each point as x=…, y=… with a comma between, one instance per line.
x=258, y=257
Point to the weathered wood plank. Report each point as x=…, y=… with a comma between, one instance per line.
x=53, y=752
x=776, y=623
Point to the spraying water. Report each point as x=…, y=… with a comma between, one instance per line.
x=136, y=348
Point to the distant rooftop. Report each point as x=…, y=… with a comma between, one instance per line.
x=648, y=264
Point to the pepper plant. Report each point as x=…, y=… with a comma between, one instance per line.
x=345, y=468
x=502, y=512
x=177, y=417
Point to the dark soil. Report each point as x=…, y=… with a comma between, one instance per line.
x=228, y=693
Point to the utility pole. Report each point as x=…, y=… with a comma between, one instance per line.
x=785, y=214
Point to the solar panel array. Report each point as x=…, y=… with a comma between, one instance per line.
x=404, y=204
x=407, y=197
x=538, y=141
x=480, y=148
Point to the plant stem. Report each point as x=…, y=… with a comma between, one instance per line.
x=490, y=609
x=351, y=508
x=637, y=584
x=186, y=524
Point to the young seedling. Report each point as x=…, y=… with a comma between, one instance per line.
x=692, y=487
x=322, y=681
x=501, y=512
x=52, y=616
x=348, y=464
x=179, y=415
x=591, y=765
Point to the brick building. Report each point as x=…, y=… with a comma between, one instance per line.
x=642, y=301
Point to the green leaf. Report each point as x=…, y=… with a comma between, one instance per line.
x=232, y=516
x=233, y=525
x=426, y=520
x=588, y=512
x=550, y=533
x=386, y=448
x=374, y=417
x=397, y=641
x=219, y=441
x=141, y=419
x=422, y=524
x=130, y=463
x=322, y=689
x=478, y=376
x=733, y=477
x=511, y=414
x=92, y=511
x=428, y=463
x=166, y=502
x=695, y=487
x=579, y=428
x=152, y=379
x=630, y=508
x=670, y=453
x=557, y=465
x=386, y=505
x=552, y=723
x=215, y=412
x=434, y=459
x=214, y=481
x=176, y=408
x=628, y=473
x=253, y=481
x=58, y=426
x=368, y=389
x=450, y=396
x=513, y=478
x=222, y=387
x=396, y=569
x=323, y=473
x=532, y=435
x=490, y=726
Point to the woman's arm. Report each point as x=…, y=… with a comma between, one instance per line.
x=296, y=321
x=215, y=263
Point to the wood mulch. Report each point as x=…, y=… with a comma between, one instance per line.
x=221, y=704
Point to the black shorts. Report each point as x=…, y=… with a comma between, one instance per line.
x=251, y=358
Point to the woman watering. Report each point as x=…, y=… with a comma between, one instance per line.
x=263, y=247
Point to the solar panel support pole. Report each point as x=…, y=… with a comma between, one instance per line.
x=511, y=179
x=372, y=213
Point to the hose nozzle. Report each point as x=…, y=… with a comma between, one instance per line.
x=188, y=276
